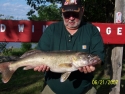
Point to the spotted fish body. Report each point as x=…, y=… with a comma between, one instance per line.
x=61, y=62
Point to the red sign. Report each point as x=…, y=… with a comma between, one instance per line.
x=31, y=31
x=112, y=33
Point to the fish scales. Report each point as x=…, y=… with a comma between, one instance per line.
x=61, y=62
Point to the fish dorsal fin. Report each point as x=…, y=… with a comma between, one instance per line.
x=30, y=52
x=64, y=76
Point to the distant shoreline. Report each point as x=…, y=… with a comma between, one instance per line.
x=17, y=45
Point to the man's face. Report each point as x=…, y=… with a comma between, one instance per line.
x=72, y=20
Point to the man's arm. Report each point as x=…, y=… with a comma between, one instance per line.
x=97, y=48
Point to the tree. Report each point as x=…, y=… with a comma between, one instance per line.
x=2, y=17
x=46, y=13
x=95, y=10
x=26, y=46
x=37, y=3
x=99, y=10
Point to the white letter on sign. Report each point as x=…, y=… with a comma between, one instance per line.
x=98, y=28
x=108, y=31
x=119, y=31
x=21, y=28
x=44, y=27
x=2, y=28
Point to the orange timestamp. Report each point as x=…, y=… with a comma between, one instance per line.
x=104, y=82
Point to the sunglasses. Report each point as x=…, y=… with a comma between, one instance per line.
x=71, y=14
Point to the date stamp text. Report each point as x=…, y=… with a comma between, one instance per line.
x=104, y=82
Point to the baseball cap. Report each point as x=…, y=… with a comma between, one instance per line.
x=71, y=5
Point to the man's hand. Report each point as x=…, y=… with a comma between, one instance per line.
x=42, y=68
x=87, y=69
x=92, y=67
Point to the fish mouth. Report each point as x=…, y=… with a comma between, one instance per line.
x=94, y=59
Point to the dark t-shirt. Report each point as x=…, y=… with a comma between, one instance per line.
x=86, y=39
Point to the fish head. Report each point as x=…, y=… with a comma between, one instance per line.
x=84, y=59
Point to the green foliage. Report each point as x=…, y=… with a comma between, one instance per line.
x=26, y=46
x=13, y=52
x=37, y=3
x=16, y=51
x=46, y=13
x=99, y=10
x=95, y=10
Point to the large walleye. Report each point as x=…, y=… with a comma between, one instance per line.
x=61, y=62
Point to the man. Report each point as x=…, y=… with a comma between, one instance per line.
x=75, y=35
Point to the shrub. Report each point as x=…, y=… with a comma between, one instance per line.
x=26, y=46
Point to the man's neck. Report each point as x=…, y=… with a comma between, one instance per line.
x=72, y=31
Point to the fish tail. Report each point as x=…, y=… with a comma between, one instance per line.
x=6, y=73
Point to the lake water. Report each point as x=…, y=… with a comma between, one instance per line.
x=17, y=45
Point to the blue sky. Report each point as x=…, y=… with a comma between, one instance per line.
x=16, y=8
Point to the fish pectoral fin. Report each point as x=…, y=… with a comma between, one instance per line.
x=64, y=76
x=67, y=65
